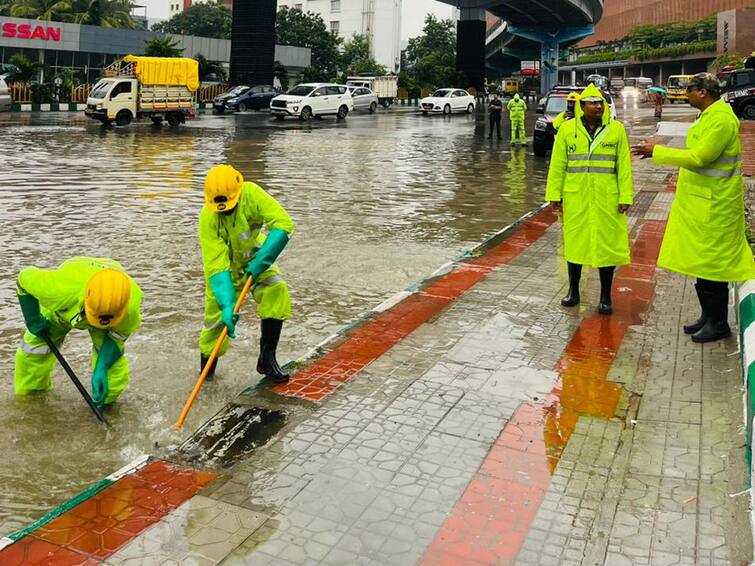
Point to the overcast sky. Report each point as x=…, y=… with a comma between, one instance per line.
x=414, y=15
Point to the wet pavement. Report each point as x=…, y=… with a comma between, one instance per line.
x=469, y=420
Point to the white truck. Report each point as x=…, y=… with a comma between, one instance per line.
x=158, y=88
x=386, y=88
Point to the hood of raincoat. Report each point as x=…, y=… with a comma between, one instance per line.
x=516, y=96
x=590, y=92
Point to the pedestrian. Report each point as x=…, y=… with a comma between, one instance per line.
x=84, y=293
x=496, y=110
x=567, y=114
x=234, y=248
x=705, y=236
x=517, y=109
x=658, y=104
x=590, y=182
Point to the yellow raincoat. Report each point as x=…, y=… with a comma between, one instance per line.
x=705, y=235
x=592, y=177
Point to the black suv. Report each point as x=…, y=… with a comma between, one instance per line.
x=739, y=92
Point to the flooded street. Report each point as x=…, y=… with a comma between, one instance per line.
x=379, y=202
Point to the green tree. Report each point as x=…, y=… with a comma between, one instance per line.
x=356, y=58
x=24, y=69
x=209, y=68
x=162, y=47
x=728, y=59
x=105, y=13
x=431, y=57
x=5, y=6
x=203, y=20
x=294, y=27
x=55, y=10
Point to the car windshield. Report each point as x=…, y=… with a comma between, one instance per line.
x=101, y=89
x=301, y=90
x=678, y=82
x=441, y=93
x=555, y=105
x=235, y=91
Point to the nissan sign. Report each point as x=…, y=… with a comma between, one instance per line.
x=28, y=31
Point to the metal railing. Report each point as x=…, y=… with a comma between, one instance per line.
x=209, y=92
x=21, y=93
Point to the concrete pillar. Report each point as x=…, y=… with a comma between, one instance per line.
x=573, y=76
x=253, y=41
x=660, y=74
x=470, y=47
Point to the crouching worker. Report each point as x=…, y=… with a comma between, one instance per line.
x=234, y=248
x=85, y=293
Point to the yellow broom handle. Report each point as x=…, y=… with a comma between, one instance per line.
x=213, y=355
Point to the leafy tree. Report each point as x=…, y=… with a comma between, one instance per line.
x=728, y=59
x=203, y=20
x=55, y=10
x=162, y=47
x=431, y=58
x=5, y=6
x=24, y=69
x=356, y=58
x=294, y=27
x=105, y=13
x=209, y=68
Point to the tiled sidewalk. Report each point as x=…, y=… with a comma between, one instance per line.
x=474, y=422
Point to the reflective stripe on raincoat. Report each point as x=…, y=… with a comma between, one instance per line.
x=705, y=235
x=592, y=177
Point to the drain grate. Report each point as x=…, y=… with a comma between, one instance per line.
x=231, y=436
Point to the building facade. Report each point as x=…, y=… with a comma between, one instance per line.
x=378, y=20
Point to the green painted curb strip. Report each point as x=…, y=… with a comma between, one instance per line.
x=65, y=507
x=15, y=107
x=746, y=312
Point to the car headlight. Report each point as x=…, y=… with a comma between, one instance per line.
x=98, y=107
x=541, y=124
x=232, y=100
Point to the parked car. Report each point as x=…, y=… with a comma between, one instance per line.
x=219, y=103
x=364, y=98
x=739, y=92
x=308, y=100
x=5, y=99
x=256, y=98
x=551, y=106
x=448, y=100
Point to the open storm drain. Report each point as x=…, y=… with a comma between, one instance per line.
x=230, y=436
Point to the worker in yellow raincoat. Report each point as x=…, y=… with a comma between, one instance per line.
x=233, y=248
x=567, y=114
x=85, y=293
x=517, y=109
x=705, y=236
x=590, y=180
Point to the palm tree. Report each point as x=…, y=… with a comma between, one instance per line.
x=55, y=10
x=105, y=13
x=5, y=6
x=162, y=47
x=25, y=69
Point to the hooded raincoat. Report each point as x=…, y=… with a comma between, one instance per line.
x=705, y=235
x=592, y=176
x=517, y=109
x=229, y=242
x=60, y=293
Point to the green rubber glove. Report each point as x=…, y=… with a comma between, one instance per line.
x=222, y=287
x=274, y=243
x=109, y=354
x=35, y=322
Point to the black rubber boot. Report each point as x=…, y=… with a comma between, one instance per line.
x=605, y=306
x=203, y=362
x=716, y=304
x=572, y=297
x=266, y=363
x=693, y=327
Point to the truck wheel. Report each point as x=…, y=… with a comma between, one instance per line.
x=242, y=107
x=446, y=109
x=157, y=120
x=343, y=111
x=123, y=118
x=373, y=107
x=748, y=112
x=539, y=149
x=174, y=119
x=386, y=103
x=306, y=114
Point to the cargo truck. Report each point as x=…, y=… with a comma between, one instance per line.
x=386, y=88
x=158, y=88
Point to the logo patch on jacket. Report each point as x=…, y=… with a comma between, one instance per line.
x=611, y=145
x=572, y=148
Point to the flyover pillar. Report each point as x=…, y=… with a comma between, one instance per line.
x=253, y=41
x=470, y=47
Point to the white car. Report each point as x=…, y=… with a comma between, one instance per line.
x=447, y=100
x=5, y=99
x=364, y=98
x=307, y=100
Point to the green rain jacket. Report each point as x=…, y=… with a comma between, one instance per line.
x=705, y=235
x=560, y=119
x=517, y=108
x=230, y=241
x=592, y=177
x=60, y=293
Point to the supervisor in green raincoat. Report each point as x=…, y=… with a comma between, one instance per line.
x=705, y=235
x=590, y=180
x=517, y=109
x=233, y=248
x=85, y=293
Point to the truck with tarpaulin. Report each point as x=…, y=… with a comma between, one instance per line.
x=158, y=88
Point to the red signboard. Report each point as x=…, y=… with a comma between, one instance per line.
x=28, y=31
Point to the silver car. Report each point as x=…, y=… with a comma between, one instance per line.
x=5, y=99
x=364, y=98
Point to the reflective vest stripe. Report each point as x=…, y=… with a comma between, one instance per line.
x=35, y=350
x=586, y=157
x=715, y=172
x=727, y=160
x=115, y=336
x=267, y=282
x=596, y=169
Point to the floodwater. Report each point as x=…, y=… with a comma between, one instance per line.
x=379, y=201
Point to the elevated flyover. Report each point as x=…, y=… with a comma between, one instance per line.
x=531, y=26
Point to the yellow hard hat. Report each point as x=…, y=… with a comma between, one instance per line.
x=106, y=298
x=573, y=96
x=222, y=188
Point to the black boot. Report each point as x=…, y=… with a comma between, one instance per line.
x=693, y=327
x=203, y=362
x=716, y=304
x=605, y=306
x=266, y=363
x=572, y=297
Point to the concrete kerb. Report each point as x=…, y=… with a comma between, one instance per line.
x=745, y=297
x=69, y=107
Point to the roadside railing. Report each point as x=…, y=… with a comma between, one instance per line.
x=20, y=93
x=209, y=92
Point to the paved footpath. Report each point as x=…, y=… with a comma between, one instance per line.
x=471, y=420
